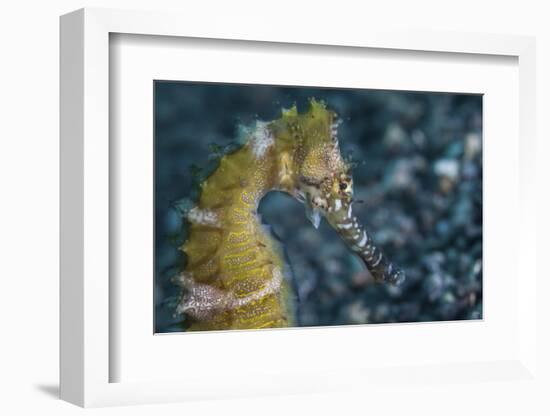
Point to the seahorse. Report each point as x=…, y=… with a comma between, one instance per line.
x=234, y=277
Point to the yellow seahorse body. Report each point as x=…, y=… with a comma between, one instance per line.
x=234, y=276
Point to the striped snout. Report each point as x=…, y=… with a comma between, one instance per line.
x=361, y=242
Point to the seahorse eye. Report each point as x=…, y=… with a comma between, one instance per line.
x=343, y=186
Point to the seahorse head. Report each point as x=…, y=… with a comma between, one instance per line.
x=312, y=166
x=316, y=174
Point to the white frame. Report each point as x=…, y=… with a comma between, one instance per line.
x=85, y=185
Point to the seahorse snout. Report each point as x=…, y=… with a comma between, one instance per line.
x=358, y=239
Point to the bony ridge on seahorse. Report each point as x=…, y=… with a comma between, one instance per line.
x=234, y=276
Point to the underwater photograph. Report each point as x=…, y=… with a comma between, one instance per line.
x=287, y=206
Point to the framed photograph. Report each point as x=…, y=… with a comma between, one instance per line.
x=280, y=212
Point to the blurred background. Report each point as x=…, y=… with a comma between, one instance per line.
x=417, y=175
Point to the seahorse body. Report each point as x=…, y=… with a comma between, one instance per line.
x=234, y=276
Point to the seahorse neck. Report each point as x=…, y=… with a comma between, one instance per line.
x=234, y=268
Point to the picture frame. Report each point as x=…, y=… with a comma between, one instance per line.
x=87, y=302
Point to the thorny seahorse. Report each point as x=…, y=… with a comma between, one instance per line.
x=234, y=276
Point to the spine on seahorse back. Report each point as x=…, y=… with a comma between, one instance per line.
x=234, y=273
